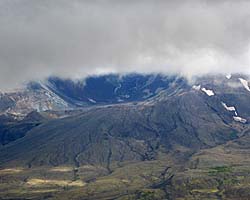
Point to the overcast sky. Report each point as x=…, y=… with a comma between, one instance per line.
x=73, y=38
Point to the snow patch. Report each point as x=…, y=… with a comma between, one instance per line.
x=91, y=100
x=119, y=99
x=196, y=87
x=126, y=96
x=117, y=88
x=229, y=108
x=240, y=119
x=208, y=92
x=228, y=76
x=236, y=117
x=245, y=84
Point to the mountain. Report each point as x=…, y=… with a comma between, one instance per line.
x=133, y=137
x=177, y=118
x=111, y=88
x=65, y=94
x=35, y=97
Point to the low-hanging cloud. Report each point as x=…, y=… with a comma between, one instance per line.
x=79, y=38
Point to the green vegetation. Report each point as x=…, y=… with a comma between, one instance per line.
x=129, y=181
x=233, y=135
x=220, y=169
x=150, y=195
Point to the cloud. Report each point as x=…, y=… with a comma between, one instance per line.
x=78, y=38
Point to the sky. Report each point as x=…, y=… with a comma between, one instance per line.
x=77, y=38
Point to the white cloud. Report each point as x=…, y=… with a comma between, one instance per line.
x=76, y=38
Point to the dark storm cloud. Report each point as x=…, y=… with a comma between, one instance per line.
x=77, y=38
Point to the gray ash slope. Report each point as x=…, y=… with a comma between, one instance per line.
x=177, y=121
